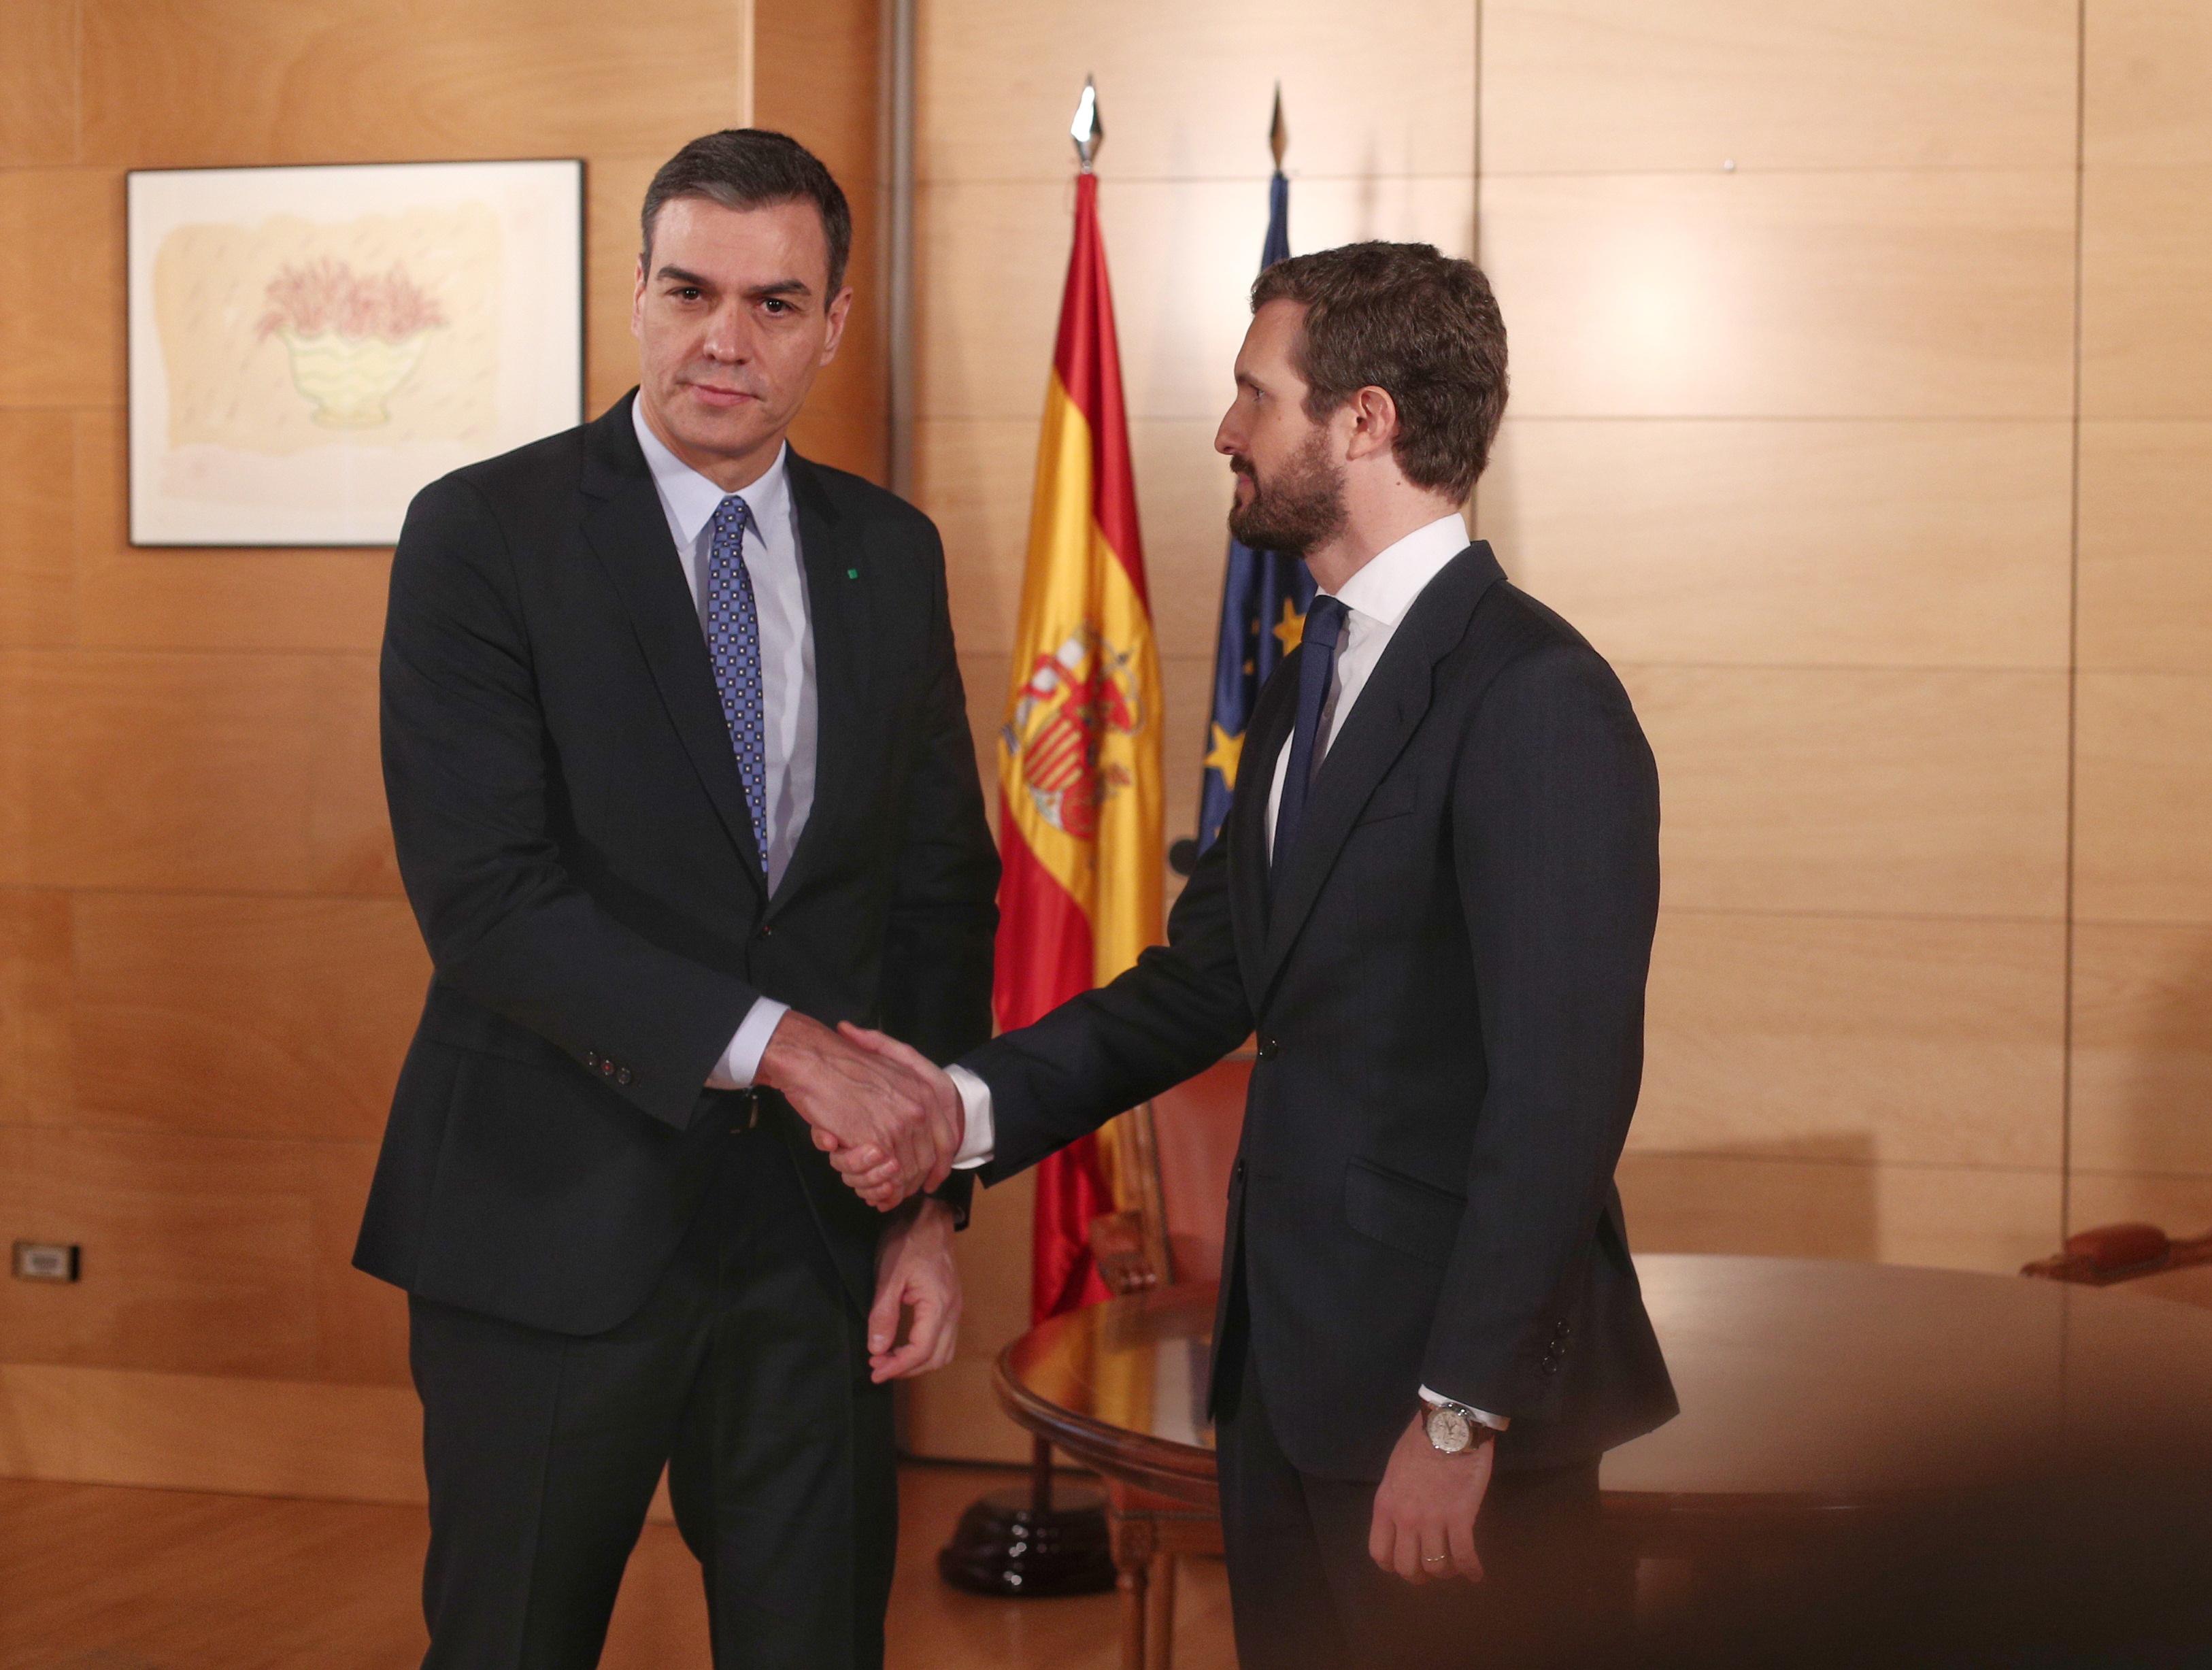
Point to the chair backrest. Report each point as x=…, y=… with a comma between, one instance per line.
x=1195, y=1128
x=2140, y=1256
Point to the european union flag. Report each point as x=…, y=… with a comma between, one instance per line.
x=1263, y=610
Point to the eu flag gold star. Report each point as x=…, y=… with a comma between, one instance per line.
x=1292, y=627
x=1226, y=751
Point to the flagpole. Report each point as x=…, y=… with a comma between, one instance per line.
x=1003, y=1544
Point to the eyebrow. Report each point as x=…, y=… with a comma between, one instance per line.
x=697, y=281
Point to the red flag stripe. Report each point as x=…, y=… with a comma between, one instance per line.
x=1088, y=358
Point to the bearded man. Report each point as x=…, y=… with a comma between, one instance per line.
x=1433, y=901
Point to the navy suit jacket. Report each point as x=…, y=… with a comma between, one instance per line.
x=1447, y=980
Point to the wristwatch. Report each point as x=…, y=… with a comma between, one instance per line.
x=1453, y=1431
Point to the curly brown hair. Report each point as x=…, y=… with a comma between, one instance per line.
x=1421, y=326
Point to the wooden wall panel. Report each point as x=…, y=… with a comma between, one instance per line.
x=1614, y=86
x=199, y=1251
x=245, y=1016
x=1867, y=792
x=2143, y=797
x=137, y=598
x=38, y=84
x=2146, y=68
x=241, y=773
x=201, y=83
x=2141, y=1075
x=1812, y=544
x=2146, y=588
x=1920, y=1042
x=35, y=998
x=61, y=329
x=614, y=192
x=1185, y=91
x=992, y=257
x=181, y=1431
x=815, y=76
x=2182, y=1205
x=2146, y=311
x=2143, y=1048
x=38, y=584
x=1815, y=1202
x=1846, y=294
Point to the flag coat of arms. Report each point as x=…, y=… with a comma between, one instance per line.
x=1079, y=826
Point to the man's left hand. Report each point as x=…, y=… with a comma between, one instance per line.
x=915, y=1276
x=1425, y=1508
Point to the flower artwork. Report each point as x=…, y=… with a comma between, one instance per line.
x=310, y=347
x=352, y=339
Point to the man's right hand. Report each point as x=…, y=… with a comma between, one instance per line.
x=868, y=1109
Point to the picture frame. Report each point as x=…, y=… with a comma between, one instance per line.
x=310, y=346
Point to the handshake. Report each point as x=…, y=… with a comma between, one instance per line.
x=890, y=1119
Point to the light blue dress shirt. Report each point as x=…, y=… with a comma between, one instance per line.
x=689, y=500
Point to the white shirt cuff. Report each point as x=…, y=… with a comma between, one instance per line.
x=980, y=1140
x=741, y=1061
x=1438, y=1400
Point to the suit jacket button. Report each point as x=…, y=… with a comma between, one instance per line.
x=591, y=1058
x=606, y=1068
x=765, y=931
x=621, y=1075
x=1270, y=1048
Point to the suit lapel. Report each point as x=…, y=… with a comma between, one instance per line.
x=627, y=530
x=1381, y=723
x=837, y=616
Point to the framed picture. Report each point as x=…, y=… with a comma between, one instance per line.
x=311, y=346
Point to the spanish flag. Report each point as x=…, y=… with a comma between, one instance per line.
x=1080, y=824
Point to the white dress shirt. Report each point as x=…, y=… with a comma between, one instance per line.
x=1376, y=600
x=689, y=500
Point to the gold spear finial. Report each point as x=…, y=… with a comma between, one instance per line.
x=1279, y=137
x=1087, y=130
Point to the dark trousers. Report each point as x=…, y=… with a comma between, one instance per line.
x=1305, y=1595
x=746, y=1373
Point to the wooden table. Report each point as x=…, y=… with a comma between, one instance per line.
x=1810, y=1390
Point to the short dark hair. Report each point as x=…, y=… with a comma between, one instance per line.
x=750, y=168
x=1420, y=326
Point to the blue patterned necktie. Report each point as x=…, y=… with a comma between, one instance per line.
x=733, y=644
x=1316, y=672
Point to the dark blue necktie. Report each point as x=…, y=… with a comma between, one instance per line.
x=733, y=644
x=1316, y=672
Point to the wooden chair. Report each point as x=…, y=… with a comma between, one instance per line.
x=1181, y=1147
x=2141, y=1255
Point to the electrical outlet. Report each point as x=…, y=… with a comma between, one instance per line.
x=46, y=1261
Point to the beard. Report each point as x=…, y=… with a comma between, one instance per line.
x=1302, y=508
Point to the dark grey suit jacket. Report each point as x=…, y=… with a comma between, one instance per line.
x=1447, y=980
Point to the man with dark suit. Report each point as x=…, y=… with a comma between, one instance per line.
x=1433, y=901
x=680, y=775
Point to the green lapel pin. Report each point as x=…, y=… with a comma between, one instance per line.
x=852, y=574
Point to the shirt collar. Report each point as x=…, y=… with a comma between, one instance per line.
x=1387, y=584
x=691, y=500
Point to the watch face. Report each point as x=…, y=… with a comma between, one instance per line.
x=1449, y=1430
